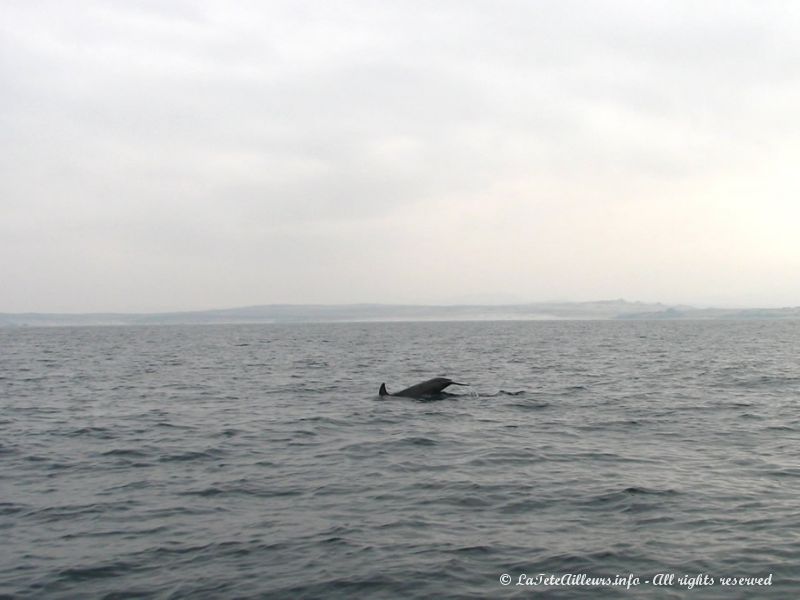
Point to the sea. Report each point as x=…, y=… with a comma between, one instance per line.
x=587, y=459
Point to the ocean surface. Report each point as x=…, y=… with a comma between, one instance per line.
x=259, y=462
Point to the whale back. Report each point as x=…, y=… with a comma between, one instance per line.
x=431, y=387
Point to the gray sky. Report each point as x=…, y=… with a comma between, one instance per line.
x=169, y=155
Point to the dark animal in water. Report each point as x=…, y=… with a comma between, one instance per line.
x=432, y=387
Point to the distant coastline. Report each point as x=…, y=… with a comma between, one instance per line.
x=307, y=313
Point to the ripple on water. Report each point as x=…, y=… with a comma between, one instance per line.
x=255, y=461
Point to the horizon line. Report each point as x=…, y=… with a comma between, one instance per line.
x=666, y=305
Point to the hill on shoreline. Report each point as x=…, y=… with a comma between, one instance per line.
x=308, y=313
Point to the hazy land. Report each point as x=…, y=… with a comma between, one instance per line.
x=291, y=313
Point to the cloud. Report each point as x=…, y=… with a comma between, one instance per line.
x=294, y=143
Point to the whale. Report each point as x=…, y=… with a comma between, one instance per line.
x=431, y=387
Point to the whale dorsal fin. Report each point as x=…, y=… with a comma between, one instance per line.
x=383, y=391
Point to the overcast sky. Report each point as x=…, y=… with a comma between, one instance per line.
x=169, y=155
